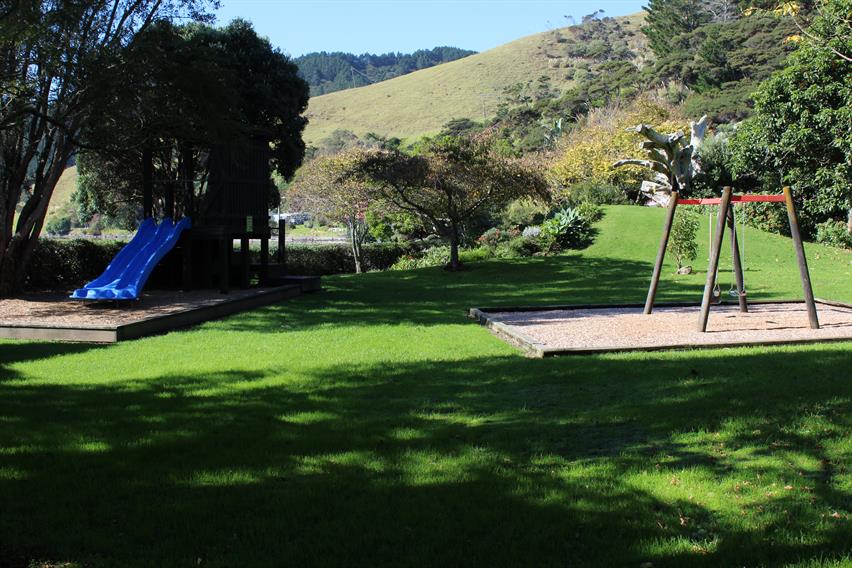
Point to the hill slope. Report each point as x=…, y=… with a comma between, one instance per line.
x=472, y=87
x=330, y=72
x=60, y=201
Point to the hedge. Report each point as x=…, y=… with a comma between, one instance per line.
x=65, y=264
x=318, y=260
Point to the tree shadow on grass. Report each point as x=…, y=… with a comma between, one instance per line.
x=486, y=461
x=433, y=296
x=19, y=352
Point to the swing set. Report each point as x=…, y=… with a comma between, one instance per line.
x=725, y=218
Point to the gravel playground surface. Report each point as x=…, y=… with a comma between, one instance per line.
x=621, y=328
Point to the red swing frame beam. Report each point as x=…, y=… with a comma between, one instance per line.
x=735, y=199
x=726, y=217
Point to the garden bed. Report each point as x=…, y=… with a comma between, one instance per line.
x=547, y=331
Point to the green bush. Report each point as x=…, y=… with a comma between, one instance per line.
x=434, y=256
x=565, y=229
x=589, y=211
x=58, y=226
x=68, y=264
x=519, y=247
x=399, y=227
x=682, y=243
x=595, y=193
x=493, y=237
x=474, y=254
x=320, y=260
x=769, y=217
x=834, y=234
x=523, y=213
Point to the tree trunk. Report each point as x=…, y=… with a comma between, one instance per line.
x=356, y=246
x=12, y=264
x=21, y=243
x=454, y=249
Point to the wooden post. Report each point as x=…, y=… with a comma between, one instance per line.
x=715, y=251
x=169, y=204
x=282, y=227
x=661, y=253
x=800, y=256
x=147, y=184
x=186, y=240
x=244, y=262
x=264, y=261
x=188, y=180
x=225, y=246
x=738, y=265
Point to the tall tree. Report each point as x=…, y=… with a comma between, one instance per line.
x=196, y=86
x=801, y=131
x=56, y=57
x=331, y=186
x=449, y=181
x=667, y=19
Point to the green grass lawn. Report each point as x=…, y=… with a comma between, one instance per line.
x=373, y=424
x=303, y=231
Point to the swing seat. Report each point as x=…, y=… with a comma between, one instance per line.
x=716, y=298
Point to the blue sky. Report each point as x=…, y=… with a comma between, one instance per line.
x=378, y=26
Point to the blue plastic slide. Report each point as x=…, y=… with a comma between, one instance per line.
x=126, y=275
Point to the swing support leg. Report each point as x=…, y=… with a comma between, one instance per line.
x=800, y=256
x=661, y=253
x=715, y=251
x=738, y=265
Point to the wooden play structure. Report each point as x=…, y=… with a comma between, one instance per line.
x=228, y=201
x=725, y=218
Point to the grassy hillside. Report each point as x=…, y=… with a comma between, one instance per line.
x=374, y=424
x=60, y=202
x=423, y=101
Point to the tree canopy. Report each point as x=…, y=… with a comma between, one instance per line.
x=57, y=60
x=197, y=87
x=334, y=187
x=801, y=131
x=329, y=72
x=448, y=180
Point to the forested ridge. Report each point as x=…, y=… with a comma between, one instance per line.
x=329, y=72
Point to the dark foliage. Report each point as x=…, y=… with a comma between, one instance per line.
x=328, y=72
x=68, y=264
x=194, y=85
x=337, y=259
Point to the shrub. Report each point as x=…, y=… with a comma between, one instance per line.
x=682, y=243
x=337, y=259
x=598, y=140
x=58, y=226
x=474, y=254
x=565, y=229
x=769, y=217
x=595, y=193
x=519, y=247
x=834, y=234
x=714, y=155
x=531, y=232
x=434, y=256
x=492, y=238
x=589, y=211
x=68, y=264
x=523, y=213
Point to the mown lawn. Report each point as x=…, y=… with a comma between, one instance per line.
x=373, y=424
